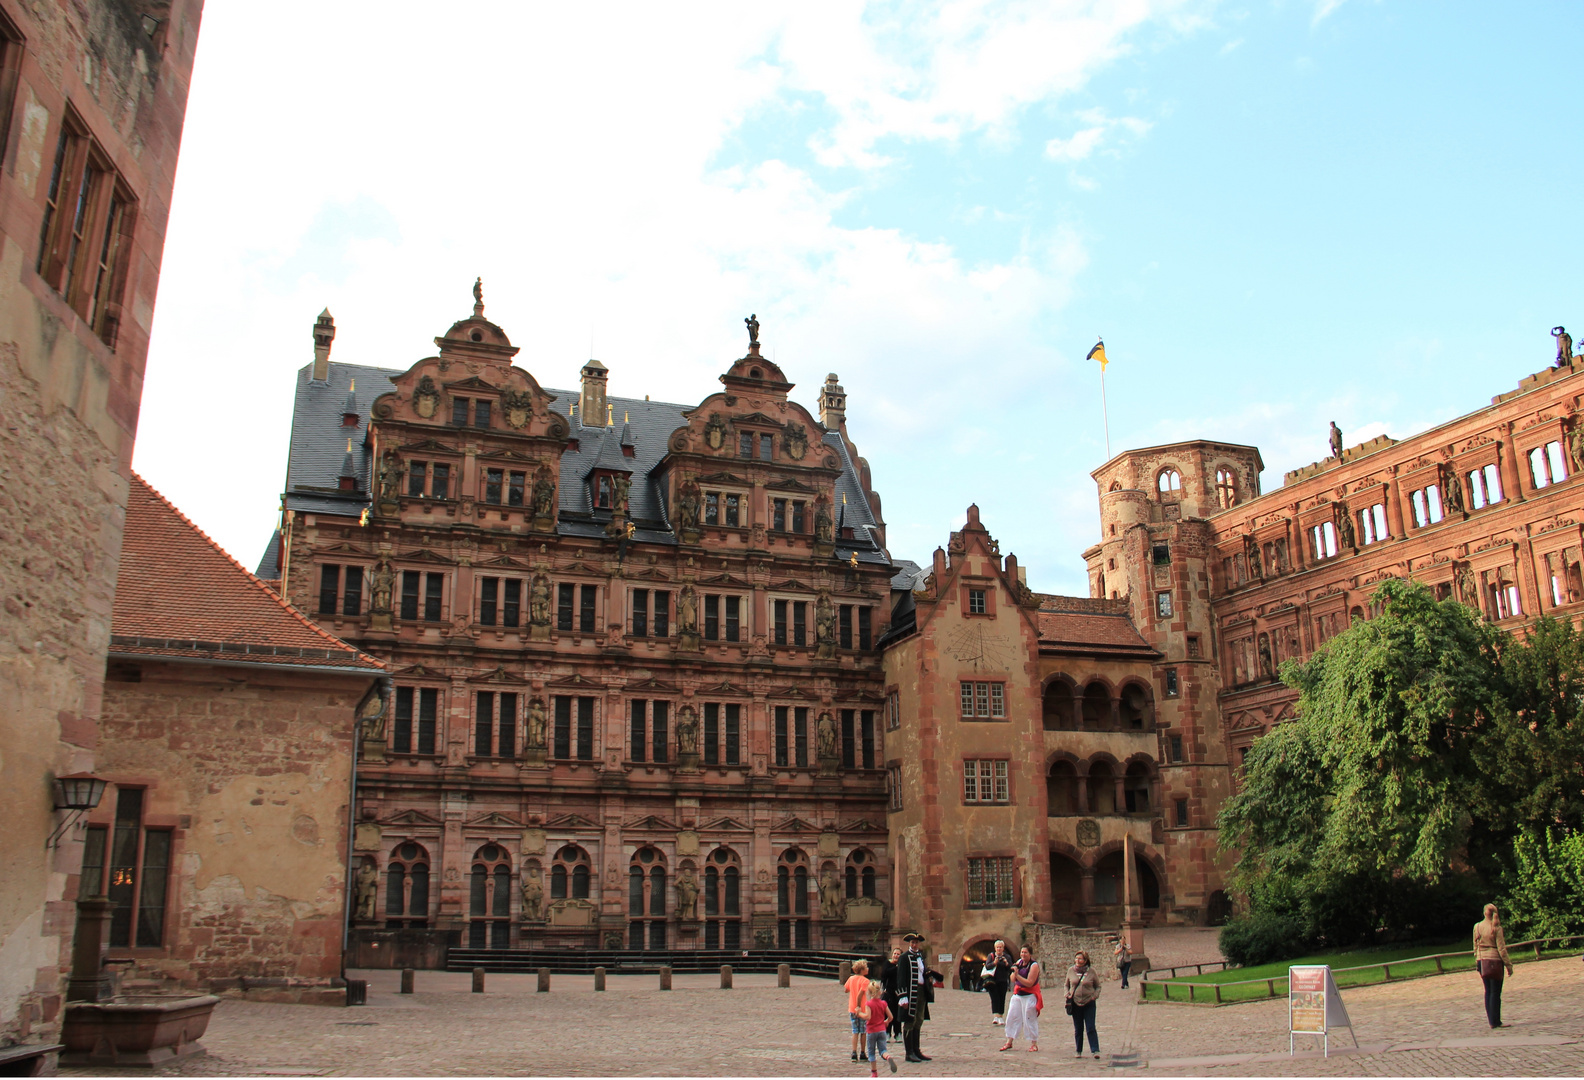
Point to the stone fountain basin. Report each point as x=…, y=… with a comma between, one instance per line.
x=136, y=1030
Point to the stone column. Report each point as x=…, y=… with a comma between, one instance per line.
x=1394, y=512
x=89, y=982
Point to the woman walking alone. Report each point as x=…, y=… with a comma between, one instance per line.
x=1490, y=956
x=1023, y=1017
x=997, y=976
x=1083, y=987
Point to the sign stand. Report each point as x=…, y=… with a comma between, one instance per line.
x=1314, y=1006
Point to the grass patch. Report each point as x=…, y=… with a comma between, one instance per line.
x=1270, y=980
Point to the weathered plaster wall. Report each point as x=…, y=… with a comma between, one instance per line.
x=252, y=769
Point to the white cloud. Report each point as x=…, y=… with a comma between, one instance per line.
x=1323, y=8
x=1087, y=140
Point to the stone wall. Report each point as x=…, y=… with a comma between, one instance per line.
x=71, y=404
x=1055, y=944
x=252, y=771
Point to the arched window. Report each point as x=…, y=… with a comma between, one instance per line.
x=1102, y=788
x=646, y=900
x=489, y=899
x=1169, y=484
x=407, y=887
x=569, y=874
x=1096, y=705
x=1116, y=485
x=860, y=874
x=1136, y=788
x=792, y=899
x=1061, y=790
x=1060, y=708
x=722, y=900
x=1135, y=707
x=1226, y=488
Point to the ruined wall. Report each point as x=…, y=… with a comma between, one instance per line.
x=252, y=771
x=71, y=404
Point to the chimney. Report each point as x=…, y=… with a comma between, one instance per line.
x=324, y=334
x=349, y=411
x=833, y=404
x=591, y=407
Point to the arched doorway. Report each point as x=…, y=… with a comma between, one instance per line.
x=1066, y=889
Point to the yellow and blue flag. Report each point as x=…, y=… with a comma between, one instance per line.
x=1098, y=353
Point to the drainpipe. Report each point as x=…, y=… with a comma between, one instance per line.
x=382, y=688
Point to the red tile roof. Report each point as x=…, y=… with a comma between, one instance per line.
x=180, y=594
x=1084, y=631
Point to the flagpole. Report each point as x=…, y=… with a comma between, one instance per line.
x=1104, y=413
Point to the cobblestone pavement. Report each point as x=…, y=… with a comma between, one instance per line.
x=1422, y=1027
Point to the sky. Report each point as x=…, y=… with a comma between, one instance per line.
x=1277, y=214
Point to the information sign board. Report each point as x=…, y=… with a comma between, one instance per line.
x=1314, y=1006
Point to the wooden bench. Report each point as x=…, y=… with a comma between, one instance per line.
x=26, y=1059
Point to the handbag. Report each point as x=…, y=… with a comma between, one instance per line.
x=1069, y=1006
x=1490, y=968
x=987, y=972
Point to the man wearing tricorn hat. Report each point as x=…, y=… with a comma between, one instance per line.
x=916, y=989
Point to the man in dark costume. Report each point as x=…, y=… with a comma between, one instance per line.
x=916, y=982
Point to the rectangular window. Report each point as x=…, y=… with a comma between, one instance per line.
x=990, y=882
x=662, y=614
x=489, y=597
x=409, y=600
x=732, y=751
x=640, y=613
x=638, y=733
x=745, y=444
x=514, y=488
x=866, y=738
x=865, y=629
x=137, y=881
x=983, y=701
x=893, y=711
x=104, y=307
x=986, y=782
x=711, y=734
x=800, y=623
x=733, y=622
x=352, y=593
x=733, y=508
x=1163, y=605
x=481, y=414
x=428, y=719
x=506, y=719
x=711, y=618
x=844, y=625
x=511, y=602
x=1426, y=505
x=712, y=508
x=780, y=628
x=766, y=447
x=782, y=735
x=493, y=479
x=976, y=601
x=1504, y=600
x=661, y=733
x=459, y=412
x=564, y=597
x=778, y=517
x=1180, y=807
x=894, y=787
x=440, y=485
x=590, y=595
x=1372, y=524
x=433, y=586
x=329, y=588
x=562, y=743
x=797, y=516
x=585, y=729
x=849, y=741
x=1546, y=465
x=484, y=725
x=401, y=730
x=800, y=744
x=417, y=473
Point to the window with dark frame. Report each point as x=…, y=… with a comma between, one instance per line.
x=990, y=882
x=894, y=787
x=733, y=509
x=745, y=444
x=733, y=621
x=662, y=613
x=494, y=480
x=778, y=515
x=481, y=413
x=511, y=602
x=797, y=516
x=417, y=474
x=590, y=596
x=893, y=710
x=1171, y=682
x=514, y=488
x=459, y=412
x=409, y=598
x=640, y=613
x=440, y=481
x=844, y=625
x=329, y=588
x=1176, y=747
x=11, y=46
x=489, y=599
x=766, y=447
x=495, y=724
x=352, y=591
x=129, y=863
x=564, y=602
x=434, y=587
x=1181, y=808
x=660, y=735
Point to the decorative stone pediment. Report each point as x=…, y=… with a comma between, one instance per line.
x=418, y=671
x=499, y=675
x=576, y=681
x=428, y=446
x=424, y=555
x=649, y=823
x=725, y=580
x=859, y=825
x=721, y=478
x=725, y=824
x=792, y=486
x=652, y=683
x=794, y=825
x=721, y=689
x=472, y=382
x=757, y=418
x=572, y=822
x=495, y=818
x=582, y=568
x=796, y=692
x=411, y=817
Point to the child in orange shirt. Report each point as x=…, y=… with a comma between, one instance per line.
x=857, y=989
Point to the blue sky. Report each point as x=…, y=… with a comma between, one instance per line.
x=1278, y=214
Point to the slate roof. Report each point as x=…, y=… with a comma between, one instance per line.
x=180, y=595
x=318, y=449
x=909, y=575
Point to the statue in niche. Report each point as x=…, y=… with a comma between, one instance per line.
x=687, y=611
x=687, y=508
x=828, y=747
x=752, y=323
x=535, y=735
x=830, y=893
x=687, y=731
x=371, y=719
x=687, y=893
x=367, y=890
x=1344, y=523
x=390, y=474
x=1468, y=589
x=1336, y=440
x=822, y=521
x=532, y=895
x=539, y=601
x=543, y=501
x=1451, y=490
x=1267, y=662
x=1564, y=342
x=824, y=620
x=381, y=585
x=1575, y=444
x=1252, y=551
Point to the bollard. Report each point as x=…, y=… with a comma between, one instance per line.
x=665, y=977
x=726, y=977
x=784, y=976
x=478, y=980
x=844, y=971
x=407, y=980
x=599, y=978
x=544, y=980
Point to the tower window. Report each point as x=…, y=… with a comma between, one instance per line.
x=1169, y=483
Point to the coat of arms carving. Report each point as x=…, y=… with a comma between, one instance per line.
x=518, y=406
x=794, y=440
x=715, y=432
x=426, y=399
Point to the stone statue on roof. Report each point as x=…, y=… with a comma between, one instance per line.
x=752, y=322
x=1336, y=440
x=1564, y=342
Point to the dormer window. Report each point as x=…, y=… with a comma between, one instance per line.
x=602, y=492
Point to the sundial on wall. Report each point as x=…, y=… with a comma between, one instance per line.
x=971, y=645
